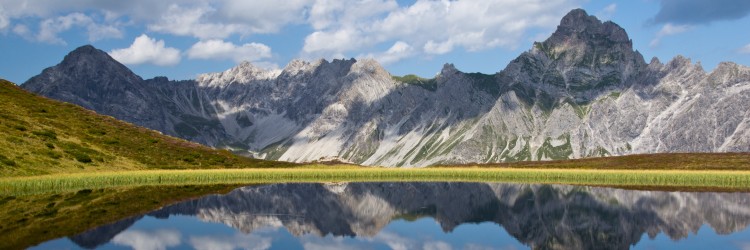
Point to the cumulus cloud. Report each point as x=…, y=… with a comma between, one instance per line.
x=221, y=50
x=668, y=30
x=190, y=22
x=334, y=43
x=431, y=47
x=262, y=16
x=140, y=240
x=147, y=50
x=51, y=27
x=398, y=51
x=700, y=11
x=436, y=27
x=329, y=13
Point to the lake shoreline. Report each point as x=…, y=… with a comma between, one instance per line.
x=687, y=180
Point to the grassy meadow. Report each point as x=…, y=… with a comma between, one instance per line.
x=709, y=179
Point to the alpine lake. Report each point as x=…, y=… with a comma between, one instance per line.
x=377, y=215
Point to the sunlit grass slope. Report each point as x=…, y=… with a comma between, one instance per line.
x=43, y=136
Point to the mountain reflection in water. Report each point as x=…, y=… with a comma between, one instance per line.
x=526, y=215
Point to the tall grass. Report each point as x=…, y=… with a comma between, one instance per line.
x=651, y=178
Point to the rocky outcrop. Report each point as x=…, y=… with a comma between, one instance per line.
x=582, y=92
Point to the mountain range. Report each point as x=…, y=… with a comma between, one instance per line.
x=583, y=92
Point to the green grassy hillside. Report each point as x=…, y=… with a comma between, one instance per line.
x=43, y=136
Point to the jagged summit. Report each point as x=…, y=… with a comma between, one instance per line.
x=583, y=59
x=243, y=73
x=577, y=25
x=448, y=69
x=369, y=66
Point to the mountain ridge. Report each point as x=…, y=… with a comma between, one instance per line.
x=582, y=92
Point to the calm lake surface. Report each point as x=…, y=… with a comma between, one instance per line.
x=433, y=216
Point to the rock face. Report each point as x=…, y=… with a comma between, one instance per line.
x=582, y=92
x=540, y=216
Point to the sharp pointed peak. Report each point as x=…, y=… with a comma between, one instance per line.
x=579, y=25
x=87, y=51
x=448, y=69
x=576, y=15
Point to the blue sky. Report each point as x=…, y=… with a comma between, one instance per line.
x=183, y=38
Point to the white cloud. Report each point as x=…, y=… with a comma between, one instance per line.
x=136, y=9
x=191, y=22
x=4, y=20
x=264, y=16
x=328, y=243
x=204, y=19
x=745, y=49
x=139, y=240
x=147, y=50
x=22, y=31
x=222, y=19
x=238, y=241
x=607, y=12
x=99, y=32
x=398, y=51
x=328, y=13
x=436, y=245
x=220, y=50
x=668, y=30
x=325, y=43
x=395, y=241
x=431, y=47
x=437, y=27
x=51, y=27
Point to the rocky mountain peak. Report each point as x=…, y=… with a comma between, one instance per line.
x=371, y=67
x=582, y=59
x=87, y=61
x=243, y=73
x=578, y=25
x=82, y=69
x=448, y=69
x=296, y=65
